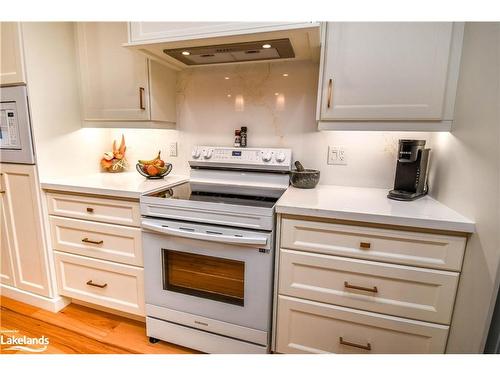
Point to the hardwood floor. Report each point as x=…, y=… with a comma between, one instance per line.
x=77, y=329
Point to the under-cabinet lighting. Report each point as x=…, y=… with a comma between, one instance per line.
x=186, y=53
x=267, y=45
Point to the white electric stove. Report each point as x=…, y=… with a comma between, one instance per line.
x=209, y=251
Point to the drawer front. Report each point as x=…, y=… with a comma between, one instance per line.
x=97, y=240
x=97, y=209
x=410, y=292
x=393, y=246
x=108, y=284
x=313, y=327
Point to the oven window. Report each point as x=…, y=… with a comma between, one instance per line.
x=204, y=276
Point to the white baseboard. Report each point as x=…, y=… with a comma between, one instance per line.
x=45, y=303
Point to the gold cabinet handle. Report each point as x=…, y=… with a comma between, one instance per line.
x=350, y=286
x=86, y=240
x=90, y=210
x=365, y=245
x=368, y=346
x=2, y=191
x=330, y=93
x=97, y=285
x=141, y=98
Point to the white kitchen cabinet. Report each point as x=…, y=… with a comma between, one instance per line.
x=98, y=250
x=21, y=220
x=380, y=73
x=108, y=284
x=118, y=84
x=7, y=268
x=140, y=32
x=313, y=327
x=11, y=55
x=353, y=287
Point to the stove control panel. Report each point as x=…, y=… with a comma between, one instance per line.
x=246, y=157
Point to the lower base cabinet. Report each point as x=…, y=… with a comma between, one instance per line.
x=314, y=327
x=346, y=287
x=108, y=284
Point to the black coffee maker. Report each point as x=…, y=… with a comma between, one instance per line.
x=411, y=171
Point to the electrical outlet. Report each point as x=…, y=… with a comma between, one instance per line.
x=337, y=155
x=173, y=148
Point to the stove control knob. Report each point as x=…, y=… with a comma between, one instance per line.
x=280, y=158
x=207, y=154
x=266, y=156
x=196, y=153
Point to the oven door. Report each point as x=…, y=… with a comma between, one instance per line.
x=220, y=273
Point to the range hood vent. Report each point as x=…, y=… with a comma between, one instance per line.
x=235, y=52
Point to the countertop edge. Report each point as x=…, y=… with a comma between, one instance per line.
x=109, y=192
x=460, y=227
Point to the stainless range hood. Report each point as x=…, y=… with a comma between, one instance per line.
x=233, y=52
x=285, y=42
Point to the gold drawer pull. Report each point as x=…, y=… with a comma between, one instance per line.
x=368, y=346
x=86, y=240
x=90, y=210
x=141, y=98
x=330, y=91
x=350, y=286
x=365, y=245
x=97, y=285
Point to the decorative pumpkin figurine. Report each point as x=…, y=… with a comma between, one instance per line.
x=114, y=161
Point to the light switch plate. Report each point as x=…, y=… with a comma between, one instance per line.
x=173, y=149
x=337, y=155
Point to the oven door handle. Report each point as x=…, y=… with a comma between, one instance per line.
x=205, y=236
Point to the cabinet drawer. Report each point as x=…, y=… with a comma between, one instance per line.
x=108, y=284
x=97, y=209
x=393, y=246
x=410, y=292
x=313, y=327
x=97, y=240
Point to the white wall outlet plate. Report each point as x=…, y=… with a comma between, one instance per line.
x=337, y=155
x=173, y=149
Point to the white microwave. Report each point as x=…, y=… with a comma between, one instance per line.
x=16, y=141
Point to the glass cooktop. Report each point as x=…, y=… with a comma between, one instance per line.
x=214, y=193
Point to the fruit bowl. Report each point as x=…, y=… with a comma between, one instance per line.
x=162, y=171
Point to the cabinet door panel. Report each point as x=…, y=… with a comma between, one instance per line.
x=11, y=54
x=114, y=79
x=6, y=271
x=24, y=220
x=313, y=327
x=173, y=31
x=385, y=71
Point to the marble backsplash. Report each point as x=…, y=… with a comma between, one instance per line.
x=277, y=102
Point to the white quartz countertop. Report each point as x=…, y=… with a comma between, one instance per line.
x=121, y=185
x=372, y=206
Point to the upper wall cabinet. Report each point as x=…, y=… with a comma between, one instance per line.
x=11, y=54
x=120, y=85
x=175, y=31
x=388, y=76
x=153, y=39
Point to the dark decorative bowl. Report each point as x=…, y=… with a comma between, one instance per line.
x=306, y=179
x=139, y=167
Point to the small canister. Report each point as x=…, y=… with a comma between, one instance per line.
x=243, y=134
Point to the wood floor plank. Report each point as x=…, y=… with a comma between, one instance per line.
x=61, y=338
x=80, y=329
